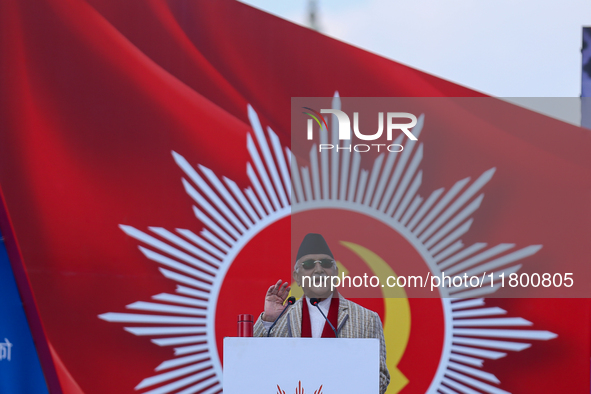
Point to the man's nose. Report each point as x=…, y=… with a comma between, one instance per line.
x=318, y=268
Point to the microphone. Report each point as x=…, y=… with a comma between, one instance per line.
x=290, y=301
x=314, y=302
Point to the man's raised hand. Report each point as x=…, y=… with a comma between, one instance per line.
x=274, y=300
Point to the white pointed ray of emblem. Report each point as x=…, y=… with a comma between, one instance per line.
x=388, y=193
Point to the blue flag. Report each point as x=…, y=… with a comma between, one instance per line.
x=20, y=369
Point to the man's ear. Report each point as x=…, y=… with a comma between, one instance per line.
x=297, y=277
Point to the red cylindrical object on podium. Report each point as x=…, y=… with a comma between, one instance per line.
x=245, y=325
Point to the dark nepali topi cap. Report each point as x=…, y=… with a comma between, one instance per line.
x=313, y=244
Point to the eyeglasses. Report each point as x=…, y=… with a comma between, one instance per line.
x=324, y=263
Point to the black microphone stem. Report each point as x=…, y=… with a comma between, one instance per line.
x=290, y=301
x=315, y=302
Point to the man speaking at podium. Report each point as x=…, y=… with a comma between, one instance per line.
x=308, y=316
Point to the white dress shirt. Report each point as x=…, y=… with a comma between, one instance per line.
x=316, y=319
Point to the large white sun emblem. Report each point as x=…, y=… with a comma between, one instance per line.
x=434, y=226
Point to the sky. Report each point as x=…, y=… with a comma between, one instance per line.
x=504, y=48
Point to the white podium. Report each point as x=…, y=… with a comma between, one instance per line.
x=301, y=365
